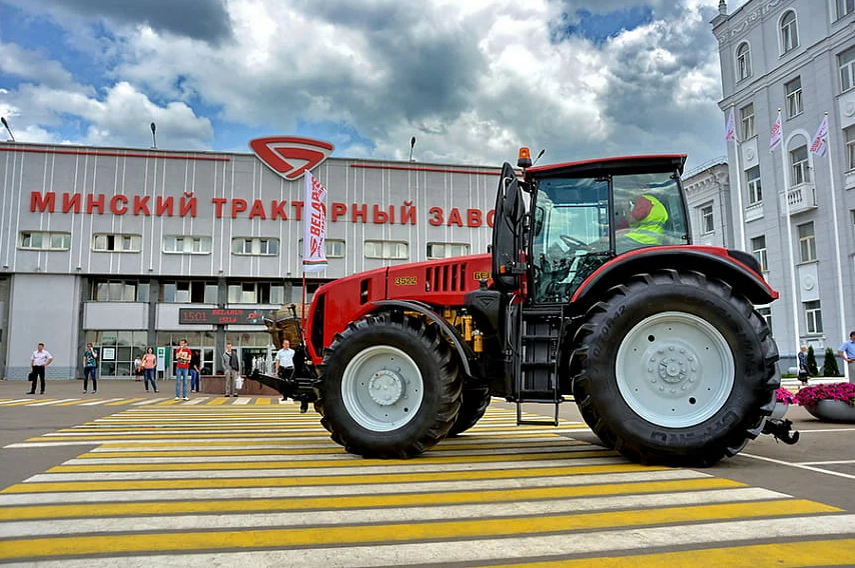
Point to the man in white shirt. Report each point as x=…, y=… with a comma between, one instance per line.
x=40, y=359
x=284, y=360
x=283, y=367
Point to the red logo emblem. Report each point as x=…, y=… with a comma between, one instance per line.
x=290, y=156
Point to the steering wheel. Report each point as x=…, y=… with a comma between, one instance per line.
x=573, y=242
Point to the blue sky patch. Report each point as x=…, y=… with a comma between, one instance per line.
x=598, y=28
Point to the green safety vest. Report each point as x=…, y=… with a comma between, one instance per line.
x=651, y=229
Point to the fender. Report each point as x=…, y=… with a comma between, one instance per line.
x=712, y=261
x=464, y=352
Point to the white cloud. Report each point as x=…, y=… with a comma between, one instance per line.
x=121, y=117
x=471, y=80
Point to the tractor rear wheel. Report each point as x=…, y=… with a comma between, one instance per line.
x=472, y=408
x=675, y=368
x=389, y=387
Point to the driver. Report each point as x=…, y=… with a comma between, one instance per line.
x=645, y=224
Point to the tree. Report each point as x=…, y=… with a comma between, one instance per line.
x=813, y=370
x=829, y=364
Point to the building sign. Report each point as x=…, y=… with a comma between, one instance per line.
x=188, y=206
x=219, y=316
x=290, y=156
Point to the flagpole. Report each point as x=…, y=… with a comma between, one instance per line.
x=840, y=302
x=739, y=189
x=792, y=265
x=303, y=303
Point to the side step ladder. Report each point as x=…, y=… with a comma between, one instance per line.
x=537, y=373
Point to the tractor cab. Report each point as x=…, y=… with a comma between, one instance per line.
x=581, y=215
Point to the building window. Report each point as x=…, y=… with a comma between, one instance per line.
x=845, y=7
x=794, y=97
x=813, y=317
x=119, y=291
x=801, y=171
x=766, y=312
x=758, y=249
x=256, y=293
x=846, y=62
x=334, y=248
x=182, y=244
x=807, y=242
x=390, y=250
x=255, y=246
x=41, y=240
x=755, y=189
x=849, y=135
x=789, y=32
x=743, y=62
x=446, y=250
x=707, y=220
x=107, y=242
x=746, y=115
x=189, y=292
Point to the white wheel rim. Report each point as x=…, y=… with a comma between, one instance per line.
x=675, y=370
x=382, y=388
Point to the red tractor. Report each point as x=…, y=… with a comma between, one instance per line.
x=592, y=290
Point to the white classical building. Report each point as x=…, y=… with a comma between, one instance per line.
x=794, y=209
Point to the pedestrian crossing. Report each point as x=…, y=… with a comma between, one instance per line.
x=262, y=485
x=140, y=401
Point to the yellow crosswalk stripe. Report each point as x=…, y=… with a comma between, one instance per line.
x=349, y=501
x=396, y=532
x=342, y=479
x=783, y=555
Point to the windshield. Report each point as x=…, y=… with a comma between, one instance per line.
x=575, y=222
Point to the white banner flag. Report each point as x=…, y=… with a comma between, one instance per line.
x=315, y=225
x=777, y=134
x=819, y=146
x=730, y=133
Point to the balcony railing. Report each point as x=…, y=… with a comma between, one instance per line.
x=801, y=198
x=754, y=211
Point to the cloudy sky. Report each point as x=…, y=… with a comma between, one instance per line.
x=472, y=80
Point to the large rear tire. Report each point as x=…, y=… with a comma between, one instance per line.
x=389, y=387
x=472, y=408
x=674, y=368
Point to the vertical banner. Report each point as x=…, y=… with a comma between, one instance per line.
x=818, y=146
x=777, y=134
x=730, y=131
x=315, y=225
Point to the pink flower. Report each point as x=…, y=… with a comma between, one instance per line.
x=784, y=396
x=809, y=396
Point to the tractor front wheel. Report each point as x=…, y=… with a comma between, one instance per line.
x=675, y=368
x=389, y=387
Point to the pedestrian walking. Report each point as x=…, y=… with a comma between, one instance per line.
x=138, y=368
x=40, y=359
x=182, y=370
x=803, y=367
x=90, y=368
x=283, y=367
x=231, y=370
x=195, y=371
x=149, y=362
x=847, y=352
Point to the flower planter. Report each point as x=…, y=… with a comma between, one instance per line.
x=779, y=411
x=833, y=411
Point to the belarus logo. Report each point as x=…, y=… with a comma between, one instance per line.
x=290, y=156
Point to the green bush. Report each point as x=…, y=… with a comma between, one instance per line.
x=813, y=370
x=829, y=364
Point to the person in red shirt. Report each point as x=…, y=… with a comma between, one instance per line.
x=182, y=369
